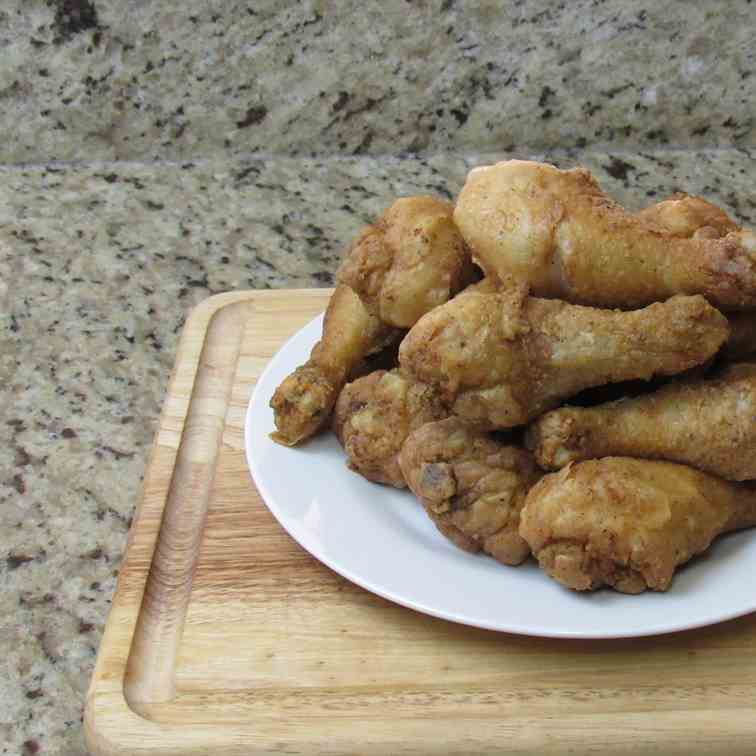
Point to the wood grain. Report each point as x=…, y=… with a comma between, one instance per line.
x=226, y=638
x=151, y=668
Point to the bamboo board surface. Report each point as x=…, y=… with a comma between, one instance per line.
x=226, y=638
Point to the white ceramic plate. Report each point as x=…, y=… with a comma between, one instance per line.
x=381, y=539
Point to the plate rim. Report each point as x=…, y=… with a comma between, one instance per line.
x=269, y=500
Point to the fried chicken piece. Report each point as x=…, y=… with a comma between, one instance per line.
x=471, y=486
x=685, y=216
x=709, y=424
x=501, y=359
x=742, y=341
x=628, y=523
x=557, y=231
x=411, y=260
x=303, y=401
x=373, y=417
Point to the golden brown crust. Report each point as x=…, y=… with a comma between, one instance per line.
x=411, y=260
x=375, y=414
x=302, y=403
x=557, y=231
x=501, y=359
x=471, y=486
x=709, y=424
x=496, y=358
x=685, y=216
x=628, y=523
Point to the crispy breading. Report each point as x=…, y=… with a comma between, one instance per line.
x=686, y=217
x=502, y=359
x=412, y=259
x=709, y=424
x=628, y=523
x=557, y=231
x=373, y=417
x=472, y=486
x=302, y=403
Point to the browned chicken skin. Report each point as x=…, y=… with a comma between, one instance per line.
x=373, y=417
x=709, y=424
x=494, y=357
x=303, y=401
x=687, y=217
x=557, y=231
x=628, y=523
x=501, y=359
x=411, y=260
x=471, y=486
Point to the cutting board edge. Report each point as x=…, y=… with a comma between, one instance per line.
x=118, y=728
x=188, y=354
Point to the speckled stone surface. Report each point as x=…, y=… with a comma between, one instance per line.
x=99, y=265
x=178, y=79
x=188, y=115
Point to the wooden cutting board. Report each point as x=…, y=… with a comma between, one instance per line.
x=225, y=637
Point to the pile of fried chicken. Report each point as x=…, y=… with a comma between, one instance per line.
x=549, y=374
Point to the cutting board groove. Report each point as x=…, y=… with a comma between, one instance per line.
x=226, y=638
x=150, y=673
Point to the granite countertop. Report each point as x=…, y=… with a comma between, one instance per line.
x=154, y=154
x=101, y=264
x=133, y=80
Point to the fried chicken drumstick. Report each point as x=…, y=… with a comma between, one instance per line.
x=471, y=486
x=685, y=216
x=557, y=231
x=628, y=523
x=709, y=424
x=373, y=417
x=501, y=359
x=411, y=260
